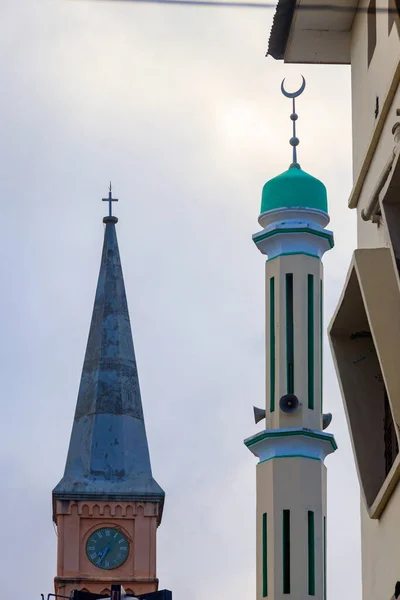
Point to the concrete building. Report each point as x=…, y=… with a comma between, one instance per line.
x=291, y=475
x=365, y=329
x=107, y=506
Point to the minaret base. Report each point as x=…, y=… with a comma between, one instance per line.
x=291, y=512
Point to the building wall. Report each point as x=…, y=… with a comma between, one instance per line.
x=372, y=134
x=370, y=82
x=381, y=550
x=369, y=234
x=373, y=144
x=76, y=521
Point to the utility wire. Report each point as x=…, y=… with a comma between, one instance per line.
x=229, y=4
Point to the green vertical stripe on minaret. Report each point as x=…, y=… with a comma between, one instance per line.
x=272, y=344
x=321, y=320
x=286, y=551
x=324, y=558
x=289, y=334
x=264, y=555
x=311, y=554
x=310, y=339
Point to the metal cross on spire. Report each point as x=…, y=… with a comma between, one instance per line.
x=294, y=141
x=110, y=200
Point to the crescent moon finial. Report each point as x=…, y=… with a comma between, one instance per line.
x=294, y=140
x=293, y=94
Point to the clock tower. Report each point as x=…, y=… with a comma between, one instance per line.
x=107, y=506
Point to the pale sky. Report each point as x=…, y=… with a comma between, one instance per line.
x=181, y=109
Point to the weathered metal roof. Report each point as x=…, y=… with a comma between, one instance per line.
x=280, y=28
x=312, y=32
x=108, y=455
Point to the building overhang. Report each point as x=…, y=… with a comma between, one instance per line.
x=311, y=31
x=365, y=336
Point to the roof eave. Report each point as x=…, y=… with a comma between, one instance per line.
x=280, y=30
x=297, y=40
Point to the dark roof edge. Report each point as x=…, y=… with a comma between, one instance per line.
x=281, y=24
x=128, y=497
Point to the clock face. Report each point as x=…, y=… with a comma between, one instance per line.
x=107, y=548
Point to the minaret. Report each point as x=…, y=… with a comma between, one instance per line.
x=107, y=506
x=291, y=475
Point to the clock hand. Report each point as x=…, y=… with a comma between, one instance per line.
x=99, y=556
x=105, y=550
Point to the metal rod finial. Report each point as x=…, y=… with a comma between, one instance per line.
x=110, y=200
x=293, y=94
x=294, y=140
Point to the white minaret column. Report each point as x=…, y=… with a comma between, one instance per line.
x=291, y=475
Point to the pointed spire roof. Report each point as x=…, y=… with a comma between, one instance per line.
x=108, y=455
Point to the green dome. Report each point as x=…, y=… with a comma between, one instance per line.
x=294, y=188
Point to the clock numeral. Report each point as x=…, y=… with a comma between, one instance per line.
x=91, y=548
x=107, y=564
x=93, y=555
x=99, y=534
x=123, y=548
x=121, y=555
x=108, y=532
x=116, y=534
x=121, y=541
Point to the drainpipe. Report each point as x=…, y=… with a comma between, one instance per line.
x=369, y=211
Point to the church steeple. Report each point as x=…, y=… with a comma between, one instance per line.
x=108, y=460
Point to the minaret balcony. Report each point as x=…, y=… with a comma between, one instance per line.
x=294, y=231
x=290, y=443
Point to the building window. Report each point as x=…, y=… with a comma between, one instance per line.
x=363, y=386
x=371, y=20
x=324, y=558
x=311, y=554
x=310, y=340
x=272, y=344
x=321, y=339
x=286, y=551
x=368, y=369
x=289, y=334
x=391, y=443
x=264, y=555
